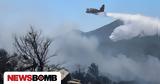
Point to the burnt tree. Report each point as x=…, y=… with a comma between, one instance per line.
x=34, y=47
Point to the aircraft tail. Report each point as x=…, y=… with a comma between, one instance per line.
x=102, y=8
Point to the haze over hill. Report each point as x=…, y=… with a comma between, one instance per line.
x=132, y=47
x=125, y=50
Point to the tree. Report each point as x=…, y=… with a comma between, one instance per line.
x=7, y=63
x=93, y=70
x=92, y=75
x=3, y=60
x=80, y=75
x=34, y=48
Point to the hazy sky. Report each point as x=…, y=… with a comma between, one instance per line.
x=49, y=14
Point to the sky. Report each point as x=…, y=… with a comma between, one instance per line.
x=50, y=14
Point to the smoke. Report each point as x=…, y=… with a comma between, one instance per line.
x=77, y=49
x=123, y=68
x=135, y=25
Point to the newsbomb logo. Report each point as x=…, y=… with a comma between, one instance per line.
x=32, y=78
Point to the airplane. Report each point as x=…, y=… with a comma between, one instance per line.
x=95, y=11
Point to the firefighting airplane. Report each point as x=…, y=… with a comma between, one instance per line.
x=96, y=11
